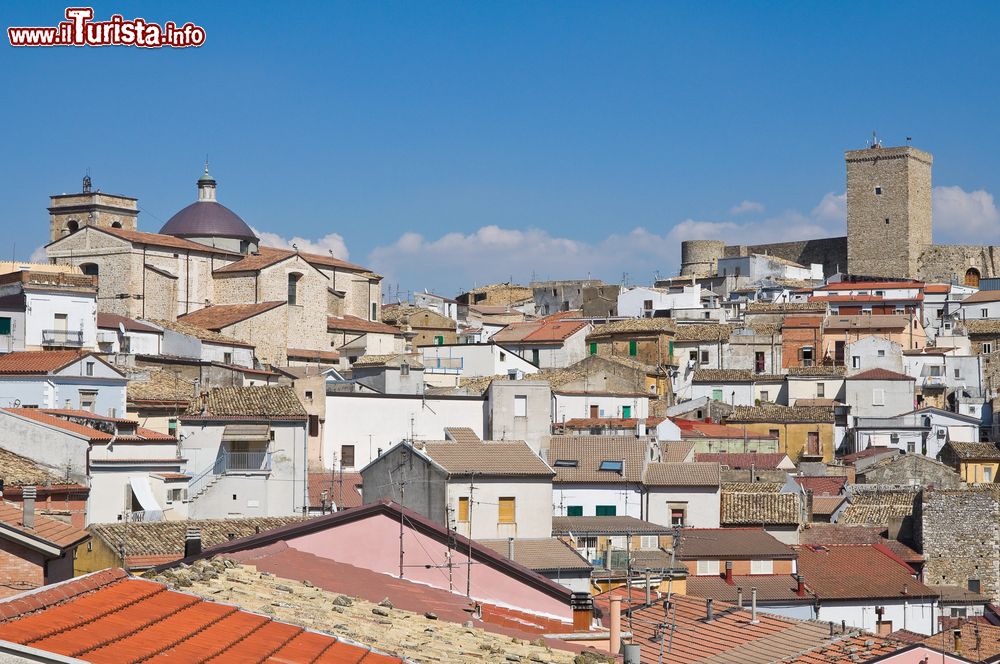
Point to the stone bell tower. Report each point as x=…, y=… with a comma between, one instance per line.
x=889, y=221
x=69, y=213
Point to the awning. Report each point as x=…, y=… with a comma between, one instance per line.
x=144, y=495
x=250, y=433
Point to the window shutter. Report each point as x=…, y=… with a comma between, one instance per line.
x=507, y=510
x=463, y=509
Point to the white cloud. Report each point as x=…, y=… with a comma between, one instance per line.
x=746, y=206
x=833, y=208
x=964, y=216
x=332, y=242
x=457, y=261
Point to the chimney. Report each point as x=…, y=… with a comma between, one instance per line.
x=648, y=598
x=709, y=614
x=510, y=548
x=800, y=587
x=192, y=542
x=753, y=606
x=729, y=572
x=28, y=507
x=583, y=611
x=632, y=654
x=614, y=642
x=809, y=506
x=640, y=428
x=739, y=597
x=957, y=634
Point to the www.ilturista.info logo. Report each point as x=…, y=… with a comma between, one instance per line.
x=81, y=30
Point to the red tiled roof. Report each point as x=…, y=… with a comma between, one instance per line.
x=868, y=285
x=866, y=571
x=609, y=422
x=867, y=452
x=850, y=648
x=730, y=637
x=341, y=487
x=770, y=588
x=86, y=414
x=157, y=240
x=355, y=324
x=546, y=331
x=112, y=321
x=937, y=288
x=744, y=460
x=308, y=354
x=50, y=531
x=699, y=429
x=879, y=374
x=108, y=617
x=219, y=316
x=35, y=362
x=822, y=485
x=59, y=423
x=267, y=256
x=835, y=533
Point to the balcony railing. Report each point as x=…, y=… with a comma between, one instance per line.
x=62, y=338
x=935, y=382
x=239, y=462
x=443, y=365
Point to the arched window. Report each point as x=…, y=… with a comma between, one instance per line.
x=116, y=224
x=972, y=277
x=90, y=269
x=72, y=226
x=293, y=287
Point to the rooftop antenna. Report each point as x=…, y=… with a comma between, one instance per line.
x=908, y=139
x=875, y=142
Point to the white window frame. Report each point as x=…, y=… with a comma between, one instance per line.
x=520, y=405
x=649, y=542
x=762, y=567
x=878, y=396
x=708, y=568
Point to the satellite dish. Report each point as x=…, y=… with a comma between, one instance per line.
x=121, y=328
x=17, y=403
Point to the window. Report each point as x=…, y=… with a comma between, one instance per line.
x=574, y=510
x=593, y=348
x=773, y=433
x=762, y=567
x=88, y=399
x=958, y=373
x=293, y=287
x=309, y=395
x=911, y=447
x=717, y=394
x=503, y=355
x=987, y=473
x=534, y=356
x=820, y=390
x=626, y=412
x=693, y=355
x=439, y=340
x=708, y=567
x=90, y=269
x=704, y=357
x=404, y=369
x=878, y=191
x=894, y=439
x=934, y=370
x=887, y=221
x=463, y=509
x=508, y=511
x=649, y=542
x=176, y=495
x=347, y=455
x=520, y=405
x=227, y=358
x=677, y=517
x=984, y=313
x=647, y=305
x=586, y=542
x=5, y=325
x=374, y=311
x=764, y=396
x=806, y=352
x=878, y=397
x=90, y=368
x=612, y=465
x=987, y=347
x=566, y=463
x=618, y=542
x=605, y=510
x=633, y=348
x=313, y=425
x=758, y=361
x=881, y=353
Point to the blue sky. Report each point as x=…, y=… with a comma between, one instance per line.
x=448, y=144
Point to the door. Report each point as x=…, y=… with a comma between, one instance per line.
x=758, y=361
x=595, y=411
x=812, y=444
x=626, y=412
x=838, y=353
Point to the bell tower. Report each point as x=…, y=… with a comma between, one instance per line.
x=889, y=222
x=69, y=213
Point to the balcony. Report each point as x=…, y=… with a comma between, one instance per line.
x=933, y=383
x=62, y=338
x=253, y=461
x=443, y=365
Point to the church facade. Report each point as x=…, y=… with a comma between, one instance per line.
x=206, y=267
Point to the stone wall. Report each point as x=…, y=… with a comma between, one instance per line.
x=911, y=469
x=830, y=252
x=949, y=262
x=959, y=533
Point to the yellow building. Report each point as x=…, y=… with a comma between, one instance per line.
x=805, y=433
x=977, y=463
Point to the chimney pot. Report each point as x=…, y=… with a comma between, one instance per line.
x=510, y=548
x=800, y=588
x=28, y=507
x=709, y=615
x=192, y=542
x=614, y=642
x=739, y=597
x=729, y=572
x=753, y=605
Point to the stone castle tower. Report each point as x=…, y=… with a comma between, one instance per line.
x=889, y=221
x=69, y=213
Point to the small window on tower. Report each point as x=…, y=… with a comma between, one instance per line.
x=878, y=191
x=887, y=221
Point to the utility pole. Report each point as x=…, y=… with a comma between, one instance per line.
x=468, y=572
x=401, y=486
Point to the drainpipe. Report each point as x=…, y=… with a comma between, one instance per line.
x=305, y=469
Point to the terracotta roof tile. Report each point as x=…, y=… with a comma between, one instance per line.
x=699, y=429
x=827, y=505
x=781, y=307
x=105, y=617
x=539, y=332
x=692, y=473
x=988, y=327
x=634, y=325
x=866, y=322
x=21, y=471
x=279, y=401
x=51, y=531
x=461, y=435
x=968, y=451
x=267, y=256
x=490, y=458
x=543, y=555
x=59, y=423
x=37, y=362
x=778, y=509
x=112, y=321
x=688, y=332
x=988, y=641
x=822, y=485
x=199, y=332
x=849, y=648
x=734, y=376
x=158, y=240
x=606, y=525
x=218, y=316
x=389, y=360
x=877, y=506
x=342, y=488
x=355, y=324
x=775, y=413
x=589, y=452
x=744, y=460
x=770, y=588
x=160, y=385
x=677, y=452
x=880, y=374
x=864, y=571
x=312, y=355
x=752, y=487
x=732, y=544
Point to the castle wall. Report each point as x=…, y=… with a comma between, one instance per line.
x=949, y=262
x=830, y=252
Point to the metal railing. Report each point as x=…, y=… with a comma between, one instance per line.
x=446, y=365
x=142, y=516
x=62, y=338
x=257, y=460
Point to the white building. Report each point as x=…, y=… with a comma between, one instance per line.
x=873, y=352
x=64, y=379
x=41, y=309
x=683, y=494
x=246, y=451
x=473, y=360
x=880, y=393
x=644, y=301
x=567, y=405
x=548, y=343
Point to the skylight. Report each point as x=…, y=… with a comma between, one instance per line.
x=613, y=465
x=566, y=463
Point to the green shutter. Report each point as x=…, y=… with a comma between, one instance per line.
x=626, y=412
x=5, y=325
x=593, y=348
x=439, y=341
x=605, y=510
x=717, y=395
x=632, y=350
x=574, y=510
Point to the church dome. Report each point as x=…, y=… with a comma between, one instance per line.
x=207, y=218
